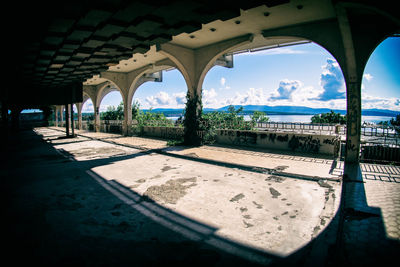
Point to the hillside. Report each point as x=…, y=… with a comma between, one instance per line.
x=283, y=110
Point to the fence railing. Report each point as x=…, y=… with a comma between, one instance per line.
x=378, y=152
x=381, y=143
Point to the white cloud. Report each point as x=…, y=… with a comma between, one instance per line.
x=104, y=108
x=368, y=76
x=160, y=99
x=88, y=107
x=209, y=98
x=222, y=81
x=252, y=96
x=332, y=82
x=369, y=102
x=223, y=84
x=286, y=89
x=180, y=98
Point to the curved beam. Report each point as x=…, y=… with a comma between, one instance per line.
x=195, y=63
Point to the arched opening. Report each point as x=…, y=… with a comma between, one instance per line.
x=87, y=113
x=111, y=109
x=160, y=104
x=381, y=103
x=289, y=85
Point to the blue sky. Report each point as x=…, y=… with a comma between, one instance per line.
x=302, y=75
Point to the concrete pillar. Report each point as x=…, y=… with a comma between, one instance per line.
x=67, y=120
x=93, y=92
x=56, y=116
x=194, y=65
x=72, y=119
x=61, y=115
x=96, y=118
x=353, y=86
x=79, y=107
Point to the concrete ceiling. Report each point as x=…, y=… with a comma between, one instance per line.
x=68, y=42
x=253, y=20
x=51, y=44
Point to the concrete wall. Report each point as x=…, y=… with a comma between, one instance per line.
x=163, y=132
x=322, y=144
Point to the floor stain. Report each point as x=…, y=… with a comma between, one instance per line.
x=237, y=198
x=243, y=209
x=167, y=168
x=247, y=225
x=275, y=178
x=258, y=206
x=171, y=191
x=275, y=193
x=280, y=168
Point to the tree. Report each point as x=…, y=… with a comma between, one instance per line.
x=113, y=113
x=330, y=117
x=259, y=116
x=135, y=109
x=396, y=123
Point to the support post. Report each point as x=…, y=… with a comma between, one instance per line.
x=56, y=116
x=72, y=119
x=191, y=121
x=353, y=89
x=79, y=107
x=66, y=120
x=96, y=119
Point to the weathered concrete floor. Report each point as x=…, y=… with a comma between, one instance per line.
x=288, y=162
x=89, y=189
x=92, y=201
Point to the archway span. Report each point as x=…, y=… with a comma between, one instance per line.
x=85, y=98
x=195, y=63
x=170, y=93
x=105, y=90
x=381, y=82
x=305, y=74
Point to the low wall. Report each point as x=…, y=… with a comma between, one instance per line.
x=163, y=132
x=323, y=144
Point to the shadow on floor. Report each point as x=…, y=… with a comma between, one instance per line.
x=59, y=213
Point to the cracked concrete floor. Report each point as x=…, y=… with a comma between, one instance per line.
x=275, y=214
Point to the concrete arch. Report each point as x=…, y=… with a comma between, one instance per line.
x=105, y=90
x=195, y=63
x=85, y=98
x=374, y=46
x=134, y=85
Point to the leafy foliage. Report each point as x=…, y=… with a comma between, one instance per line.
x=211, y=122
x=113, y=113
x=330, y=117
x=259, y=116
x=141, y=119
x=191, y=121
x=396, y=123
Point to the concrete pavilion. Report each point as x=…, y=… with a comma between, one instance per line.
x=60, y=53
x=66, y=52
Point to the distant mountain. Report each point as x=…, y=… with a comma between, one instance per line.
x=283, y=110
